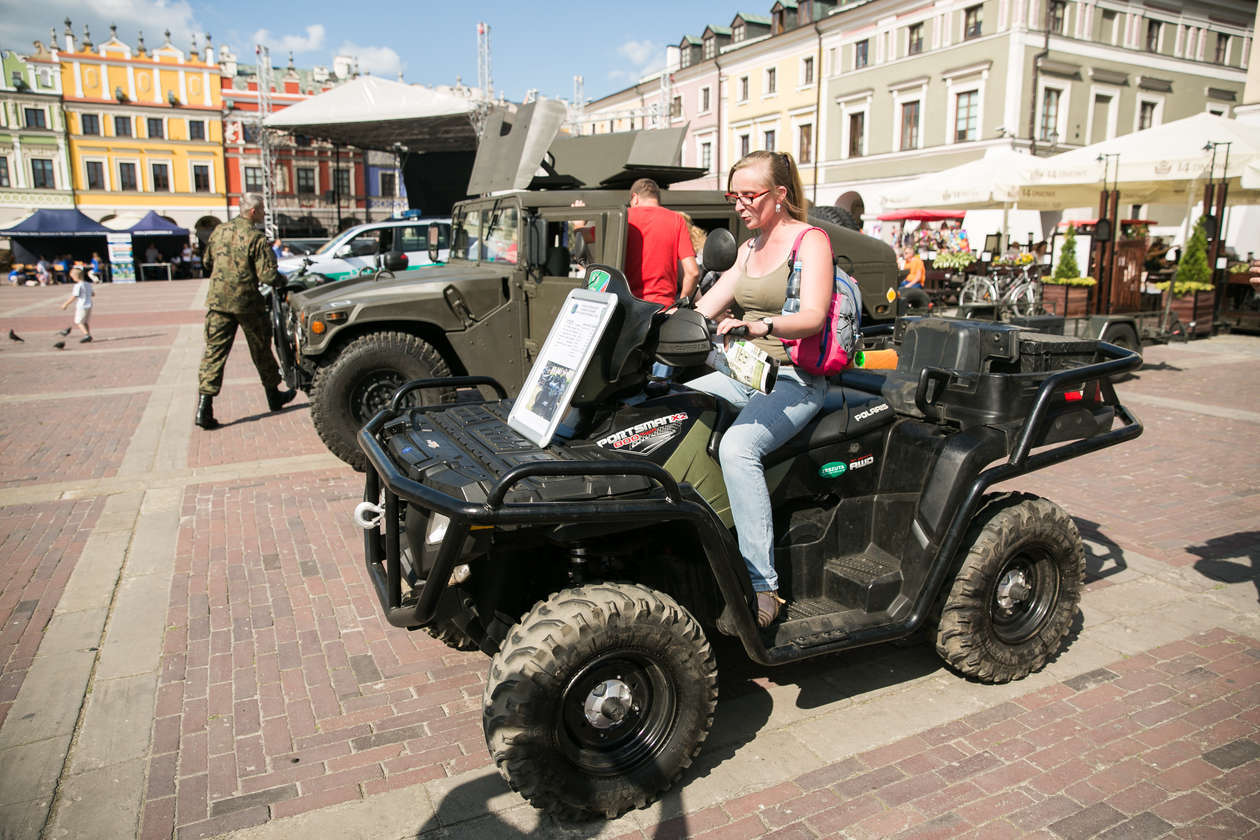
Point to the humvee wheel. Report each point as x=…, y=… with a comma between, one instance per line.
x=1015, y=596
x=599, y=699
x=360, y=382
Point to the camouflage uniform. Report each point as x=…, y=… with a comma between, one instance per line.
x=238, y=258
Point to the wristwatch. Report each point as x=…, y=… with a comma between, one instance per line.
x=769, y=322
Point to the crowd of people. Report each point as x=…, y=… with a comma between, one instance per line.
x=60, y=269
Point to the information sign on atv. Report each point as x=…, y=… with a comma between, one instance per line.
x=591, y=569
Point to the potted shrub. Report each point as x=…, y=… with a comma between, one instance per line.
x=1193, y=295
x=1066, y=292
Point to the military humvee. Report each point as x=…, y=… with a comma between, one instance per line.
x=516, y=252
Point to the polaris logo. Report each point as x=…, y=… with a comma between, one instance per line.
x=862, y=462
x=871, y=412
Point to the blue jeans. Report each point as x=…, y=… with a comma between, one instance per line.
x=765, y=422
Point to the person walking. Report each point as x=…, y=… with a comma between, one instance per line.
x=81, y=297
x=659, y=239
x=238, y=259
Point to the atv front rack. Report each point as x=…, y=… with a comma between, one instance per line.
x=384, y=551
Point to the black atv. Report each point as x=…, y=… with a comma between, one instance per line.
x=591, y=569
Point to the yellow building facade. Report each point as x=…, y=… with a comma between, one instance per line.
x=146, y=132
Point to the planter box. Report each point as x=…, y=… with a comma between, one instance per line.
x=1067, y=301
x=1196, y=307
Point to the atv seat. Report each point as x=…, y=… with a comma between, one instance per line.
x=846, y=413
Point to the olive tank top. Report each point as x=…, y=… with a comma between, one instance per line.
x=762, y=296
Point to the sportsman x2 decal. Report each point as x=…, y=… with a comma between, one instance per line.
x=646, y=437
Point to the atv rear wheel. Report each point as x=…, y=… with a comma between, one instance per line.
x=360, y=382
x=1015, y=596
x=599, y=699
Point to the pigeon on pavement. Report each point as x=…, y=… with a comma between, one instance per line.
x=60, y=345
x=66, y=331
x=15, y=337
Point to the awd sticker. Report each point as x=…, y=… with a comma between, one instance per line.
x=864, y=461
x=833, y=469
x=598, y=281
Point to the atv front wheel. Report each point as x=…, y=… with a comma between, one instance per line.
x=360, y=382
x=599, y=699
x=1016, y=594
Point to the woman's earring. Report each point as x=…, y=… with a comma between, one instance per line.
x=778, y=207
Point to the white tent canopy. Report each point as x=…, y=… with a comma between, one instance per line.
x=376, y=113
x=1166, y=164
x=990, y=182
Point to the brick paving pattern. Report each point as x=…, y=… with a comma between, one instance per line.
x=77, y=371
x=40, y=544
x=65, y=439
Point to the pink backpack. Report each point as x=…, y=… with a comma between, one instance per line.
x=829, y=351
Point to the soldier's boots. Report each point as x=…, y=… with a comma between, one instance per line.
x=277, y=399
x=205, y=413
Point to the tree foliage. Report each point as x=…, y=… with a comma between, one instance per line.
x=1067, y=267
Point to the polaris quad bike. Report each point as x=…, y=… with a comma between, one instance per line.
x=592, y=569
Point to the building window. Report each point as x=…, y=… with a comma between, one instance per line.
x=253, y=179
x=201, y=177
x=675, y=107
x=89, y=124
x=122, y=126
x=95, y=175
x=857, y=134
x=196, y=129
x=154, y=128
x=805, y=11
x=966, y=107
x=343, y=182
x=4, y=172
x=778, y=22
x=42, y=174
x=743, y=88
x=388, y=189
x=1222, y=48
x=706, y=156
x=973, y=21
x=807, y=71
x=914, y=45
x=36, y=118
x=1050, y=114
x=737, y=32
x=909, y=126
x=704, y=100
x=768, y=140
x=1146, y=115
x=127, y=176
x=771, y=81
x=861, y=53
x=744, y=145
x=1058, y=16
x=805, y=143
x=710, y=47
x=305, y=180
x=1153, y=28
x=161, y=177
x=685, y=58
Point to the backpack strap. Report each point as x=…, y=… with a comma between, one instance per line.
x=797, y=244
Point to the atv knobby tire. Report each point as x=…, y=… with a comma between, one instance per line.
x=599, y=699
x=1015, y=595
x=360, y=381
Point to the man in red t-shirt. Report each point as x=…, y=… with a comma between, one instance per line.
x=657, y=241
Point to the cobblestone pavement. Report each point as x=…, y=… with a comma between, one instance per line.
x=190, y=647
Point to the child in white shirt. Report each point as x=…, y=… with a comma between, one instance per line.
x=81, y=297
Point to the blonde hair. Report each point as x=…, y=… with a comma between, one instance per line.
x=783, y=173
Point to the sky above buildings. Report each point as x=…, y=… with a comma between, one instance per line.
x=533, y=45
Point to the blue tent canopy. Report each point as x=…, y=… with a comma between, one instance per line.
x=154, y=225
x=57, y=223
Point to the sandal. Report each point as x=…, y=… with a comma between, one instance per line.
x=768, y=605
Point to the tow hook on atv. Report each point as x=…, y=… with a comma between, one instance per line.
x=362, y=519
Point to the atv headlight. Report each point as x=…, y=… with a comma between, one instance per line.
x=437, y=529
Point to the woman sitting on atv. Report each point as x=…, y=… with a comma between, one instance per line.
x=765, y=188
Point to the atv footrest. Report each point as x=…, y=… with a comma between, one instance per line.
x=867, y=581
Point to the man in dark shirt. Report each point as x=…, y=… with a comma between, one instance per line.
x=238, y=259
x=658, y=240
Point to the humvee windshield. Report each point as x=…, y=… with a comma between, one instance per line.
x=486, y=234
